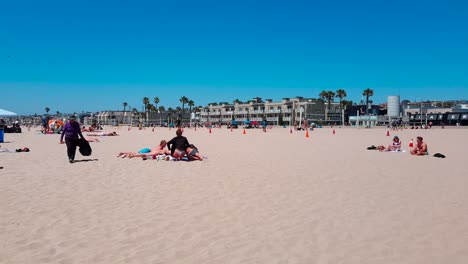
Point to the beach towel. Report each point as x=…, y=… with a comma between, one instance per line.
x=159, y=157
x=84, y=147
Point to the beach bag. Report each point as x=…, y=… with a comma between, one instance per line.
x=84, y=147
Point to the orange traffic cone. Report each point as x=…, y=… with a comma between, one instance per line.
x=388, y=133
x=244, y=132
x=411, y=143
x=334, y=132
x=210, y=130
x=307, y=133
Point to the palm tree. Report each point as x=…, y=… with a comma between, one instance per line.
x=57, y=113
x=190, y=103
x=47, y=109
x=134, y=114
x=125, y=104
x=145, y=103
x=237, y=101
x=161, y=109
x=340, y=94
x=183, y=100
x=156, y=102
x=345, y=104
x=327, y=96
x=368, y=93
x=170, y=114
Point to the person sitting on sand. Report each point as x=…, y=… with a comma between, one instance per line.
x=158, y=150
x=178, y=145
x=193, y=153
x=420, y=149
x=104, y=134
x=92, y=140
x=395, y=146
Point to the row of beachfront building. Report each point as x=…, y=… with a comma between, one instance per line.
x=295, y=111
x=288, y=111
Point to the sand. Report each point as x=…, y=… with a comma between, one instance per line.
x=261, y=197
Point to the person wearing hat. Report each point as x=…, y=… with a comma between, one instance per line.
x=72, y=133
x=395, y=146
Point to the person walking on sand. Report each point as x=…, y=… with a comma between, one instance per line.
x=420, y=149
x=178, y=145
x=71, y=131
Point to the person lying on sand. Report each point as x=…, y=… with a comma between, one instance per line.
x=3, y=150
x=103, y=134
x=158, y=150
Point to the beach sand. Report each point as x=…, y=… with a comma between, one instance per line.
x=272, y=197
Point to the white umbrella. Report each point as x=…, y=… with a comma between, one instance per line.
x=7, y=113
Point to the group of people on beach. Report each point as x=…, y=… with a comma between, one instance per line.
x=420, y=149
x=177, y=149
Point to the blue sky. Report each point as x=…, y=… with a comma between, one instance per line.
x=93, y=55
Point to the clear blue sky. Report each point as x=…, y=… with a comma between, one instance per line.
x=94, y=55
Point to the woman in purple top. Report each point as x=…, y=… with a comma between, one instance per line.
x=71, y=131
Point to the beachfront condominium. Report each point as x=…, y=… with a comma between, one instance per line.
x=288, y=111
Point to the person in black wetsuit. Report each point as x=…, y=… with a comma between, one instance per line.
x=178, y=145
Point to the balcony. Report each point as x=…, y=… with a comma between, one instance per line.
x=273, y=111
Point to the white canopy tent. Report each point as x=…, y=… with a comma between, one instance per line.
x=6, y=113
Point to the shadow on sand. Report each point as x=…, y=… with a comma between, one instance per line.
x=85, y=160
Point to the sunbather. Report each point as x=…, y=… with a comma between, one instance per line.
x=158, y=150
x=420, y=149
x=395, y=146
x=178, y=145
x=193, y=153
x=103, y=134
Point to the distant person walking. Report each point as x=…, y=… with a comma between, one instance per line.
x=264, y=125
x=71, y=131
